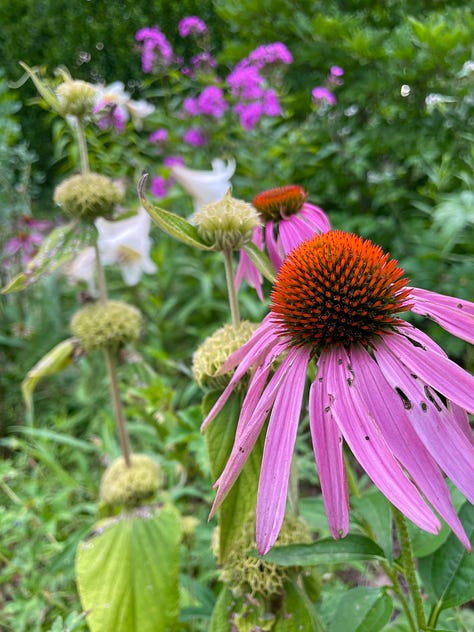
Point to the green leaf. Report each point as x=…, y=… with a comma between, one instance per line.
x=172, y=224
x=260, y=261
x=127, y=572
x=61, y=245
x=367, y=609
x=327, y=551
x=54, y=361
x=297, y=612
x=48, y=95
x=241, y=499
x=448, y=574
x=220, y=620
x=375, y=510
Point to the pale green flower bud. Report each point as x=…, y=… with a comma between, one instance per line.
x=131, y=486
x=88, y=196
x=250, y=575
x=227, y=224
x=106, y=324
x=214, y=351
x=76, y=98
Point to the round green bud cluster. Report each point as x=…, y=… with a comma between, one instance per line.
x=227, y=224
x=106, y=324
x=214, y=351
x=88, y=196
x=76, y=97
x=130, y=486
x=246, y=574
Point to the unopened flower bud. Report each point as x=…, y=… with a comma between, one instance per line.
x=106, y=324
x=214, y=351
x=131, y=486
x=88, y=196
x=76, y=98
x=227, y=224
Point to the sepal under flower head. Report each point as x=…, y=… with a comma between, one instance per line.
x=227, y=224
x=106, y=324
x=215, y=350
x=247, y=574
x=130, y=486
x=76, y=98
x=88, y=196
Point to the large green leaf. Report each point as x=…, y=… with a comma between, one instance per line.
x=448, y=574
x=174, y=225
x=297, y=612
x=127, y=572
x=60, y=246
x=327, y=551
x=374, y=509
x=260, y=261
x=367, y=610
x=241, y=499
x=220, y=620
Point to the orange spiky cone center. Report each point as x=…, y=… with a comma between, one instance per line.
x=280, y=202
x=338, y=289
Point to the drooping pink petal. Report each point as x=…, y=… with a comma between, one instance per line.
x=368, y=445
x=293, y=231
x=246, y=269
x=278, y=451
x=276, y=257
x=460, y=416
x=327, y=446
x=439, y=431
x=453, y=314
x=435, y=369
x=316, y=216
x=391, y=417
x=248, y=433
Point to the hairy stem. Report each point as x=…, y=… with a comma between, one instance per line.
x=117, y=404
x=231, y=289
x=82, y=145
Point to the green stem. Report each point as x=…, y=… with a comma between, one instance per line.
x=82, y=144
x=231, y=289
x=408, y=561
x=100, y=275
x=117, y=404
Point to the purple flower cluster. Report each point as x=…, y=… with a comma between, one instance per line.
x=276, y=53
x=159, y=136
x=155, y=48
x=160, y=185
x=26, y=240
x=210, y=102
x=195, y=137
x=191, y=25
x=321, y=94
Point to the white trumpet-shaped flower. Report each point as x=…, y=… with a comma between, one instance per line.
x=114, y=107
x=205, y=187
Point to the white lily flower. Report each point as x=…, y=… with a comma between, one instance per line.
x=82, y=268
x=126, y=242
x=205, y=187
x=114, y=106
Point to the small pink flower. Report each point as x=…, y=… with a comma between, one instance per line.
x=271, y=103
x=191, y=25
x=249, y=113
x=270, y=54
x=323, y=95
x=159, y=186
x=159, y=136
x=195, y=137
x=172, y=161
x=336, y=71
x=211, y=102
x=382, y=386
x=155, y=48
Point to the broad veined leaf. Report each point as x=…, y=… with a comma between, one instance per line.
x=362, y=609
x=127, y=572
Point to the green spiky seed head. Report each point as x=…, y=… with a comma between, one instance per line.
x=130, y=486
x=227, y=224
x=214, y=351
x=106, y=324
x=88, y=196
x=76, y=98
x=251, y=575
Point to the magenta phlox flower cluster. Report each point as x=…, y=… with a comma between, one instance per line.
x=159, y=136
x=26, y=240
x=321, y=94
x=111, y=116
x=155, y=48
x=195, y=137
x=191, y=25
x=211, y=102
x=275, y=53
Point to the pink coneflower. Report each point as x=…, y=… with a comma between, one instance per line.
x=288, y=219
x=382, y=386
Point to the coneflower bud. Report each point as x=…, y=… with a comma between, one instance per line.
x=88, y=196
x=214, y=351
x=106, y=324
x=227, y=224
x=130, y=486
x=76, y=98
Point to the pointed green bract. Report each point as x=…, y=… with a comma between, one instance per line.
x=59, y=247
x=172, y=224
x=54, y=361
x=127, y=572
x=260, y=261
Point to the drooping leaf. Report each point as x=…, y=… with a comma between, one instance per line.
x=60, y=246
x=54, y=361
x=45, y=91
x=448, y=573
x=127, y=572
x=172, y=224
x=260, y=261
x=240, y=501
x=367, y=610
x=352, y=548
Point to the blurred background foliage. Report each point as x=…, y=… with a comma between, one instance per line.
x=392, y=160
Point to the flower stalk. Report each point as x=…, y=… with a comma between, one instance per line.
x=82, y=145
x=231, y=287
